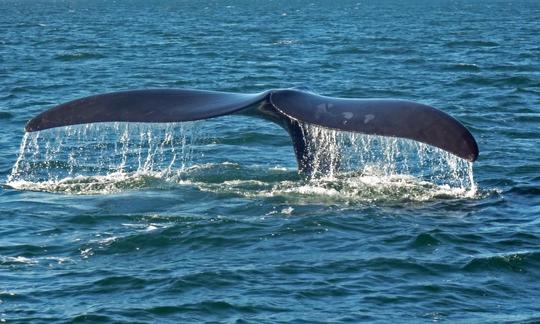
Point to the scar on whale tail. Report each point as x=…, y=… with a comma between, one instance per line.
x=287, y=108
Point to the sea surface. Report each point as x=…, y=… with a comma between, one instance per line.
x=209, y=221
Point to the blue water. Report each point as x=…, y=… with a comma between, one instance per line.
x=209, y=221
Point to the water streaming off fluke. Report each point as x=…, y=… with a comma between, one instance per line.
x=113, y=157
x=104, y=157
x=337, y=152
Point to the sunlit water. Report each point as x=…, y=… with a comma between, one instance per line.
x=210, y=221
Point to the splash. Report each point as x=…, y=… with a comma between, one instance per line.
x=114, y=157
x=104, y=157
x=357, y=168
x=335, y=153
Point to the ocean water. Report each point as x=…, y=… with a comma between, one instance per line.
x=209, y=221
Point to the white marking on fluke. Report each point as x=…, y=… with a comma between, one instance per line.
x=368, y=118
x=348, y=115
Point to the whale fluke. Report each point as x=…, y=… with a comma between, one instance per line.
x=144, y=106
x=286, y=107
x=384, y=117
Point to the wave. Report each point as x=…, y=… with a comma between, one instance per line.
x=462, y=67
x=513, y=262
x=32, y=261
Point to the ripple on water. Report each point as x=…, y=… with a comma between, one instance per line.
x=471, y=43
x=6, y=115
x=78, y=56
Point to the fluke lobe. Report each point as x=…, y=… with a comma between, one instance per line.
x=289, y=108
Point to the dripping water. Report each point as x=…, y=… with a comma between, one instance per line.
x=354, y=159
x=103, y=153
x=110, y=157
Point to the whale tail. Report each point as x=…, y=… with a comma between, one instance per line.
x=288, y=108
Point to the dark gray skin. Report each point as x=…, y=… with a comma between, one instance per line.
x=287, y=108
